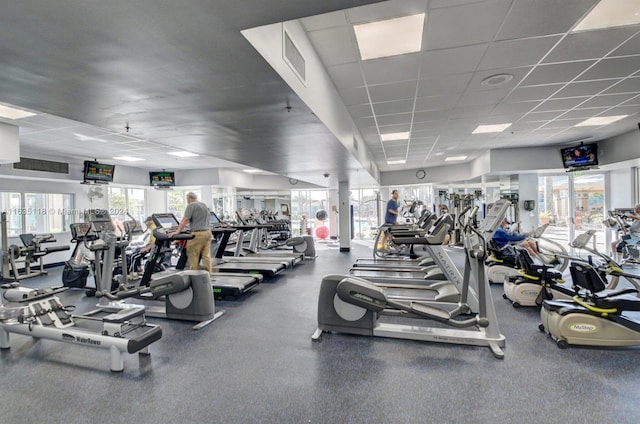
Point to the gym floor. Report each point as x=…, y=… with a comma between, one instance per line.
x=258, y=364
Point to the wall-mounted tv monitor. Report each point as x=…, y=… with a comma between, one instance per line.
x=162, y=178
x=98, y=172
x=582, y=156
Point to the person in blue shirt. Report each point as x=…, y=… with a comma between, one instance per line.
x=391, y=216
x=503, y=238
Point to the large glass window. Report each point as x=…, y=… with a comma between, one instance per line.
x=365, y=211
x=305, y=204
x=11, y=203
x=569, y=218
x=126, y=200
x=37, y=213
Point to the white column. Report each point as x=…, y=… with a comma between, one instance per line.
x=344, y=216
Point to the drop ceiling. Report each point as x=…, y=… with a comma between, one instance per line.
x=182, y=77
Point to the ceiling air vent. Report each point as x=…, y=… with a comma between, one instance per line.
x=294, y=58
x=29, y=164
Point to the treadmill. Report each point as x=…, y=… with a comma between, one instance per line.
x=268, y=269
x=251, y=250
x=224, y=284
x=418, y=262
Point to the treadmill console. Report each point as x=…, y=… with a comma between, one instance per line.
x=165, y=220
x=100, y=220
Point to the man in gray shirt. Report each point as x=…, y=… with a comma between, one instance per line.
x=196, y=216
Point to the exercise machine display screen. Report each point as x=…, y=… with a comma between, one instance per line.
x=214, y=221
x=166, y=220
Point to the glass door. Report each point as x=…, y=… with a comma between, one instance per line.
x=589, y=211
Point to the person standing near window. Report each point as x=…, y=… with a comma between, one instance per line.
x=391, y=216
x=196, y=216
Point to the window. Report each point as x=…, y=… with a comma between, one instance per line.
x=38, y=213
x=126, y=200
x=11, y=203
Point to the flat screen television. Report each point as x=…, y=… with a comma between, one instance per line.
x=162, y=178
x=580, y=157
x=98, y=172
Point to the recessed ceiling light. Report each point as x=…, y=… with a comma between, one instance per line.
x=183, y=154
x=252, y=171
x=610, y=13
x=13, y=113
x=394, y=136
x=597, y=121
x=396, y=162
x=452, y=158
x=390, y=37
x=127, y=158
x=496, y=80
x=496, y=128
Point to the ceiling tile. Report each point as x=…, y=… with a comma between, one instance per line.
x=520, y=107
x=401, y=118
x=589, y=44
x=471, y=111
x=537, y=92
x=451, y=84
x=395, y=128
x=431, y=115
x=555, y=73
x=520, y=52
x=582, y=113
x=390, y=108
x=631, y=47
x=393, y=91
x=335, y=45
x=360, y=111
x=612, y=68
x=436, y=102
x=354, y=96
x=633, y=101
x=471, y=23
x=542, y=17
x=582, y=88
x=391, y=69
x=486, y=97
x=629, y=85
x=452, y=61
x=346, y=75
x=608, y=100
x=541, y=116
x=560, y=104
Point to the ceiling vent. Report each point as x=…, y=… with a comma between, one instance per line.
x=30, y=164
x=294, y=58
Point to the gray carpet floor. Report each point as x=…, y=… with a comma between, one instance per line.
x=257, y=364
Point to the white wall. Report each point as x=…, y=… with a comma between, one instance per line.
x=621, y=189
x=528, y=190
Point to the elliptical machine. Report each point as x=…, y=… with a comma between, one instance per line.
x=595, y=316
x=355, y=306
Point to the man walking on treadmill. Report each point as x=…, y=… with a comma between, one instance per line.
x=196, y=216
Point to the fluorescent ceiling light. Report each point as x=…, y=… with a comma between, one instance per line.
x=485, y=129
x=396, y=162
x=394, y=136
x=390, y=37
x=252, y=171
x=13, y=113
x=183, y=154
x=597, y=121
x=452, y=158
x=128, y=158
x=610, y=13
